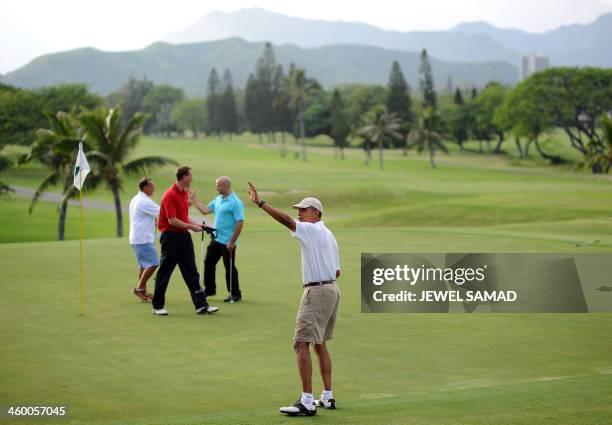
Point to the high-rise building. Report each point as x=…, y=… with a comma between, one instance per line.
x=531, y=64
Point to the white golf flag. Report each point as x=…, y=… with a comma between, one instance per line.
x=81, y=168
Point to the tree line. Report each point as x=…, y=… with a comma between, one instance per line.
x=52, y=120
x=277, y=101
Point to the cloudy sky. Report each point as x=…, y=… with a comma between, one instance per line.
x=29, y=28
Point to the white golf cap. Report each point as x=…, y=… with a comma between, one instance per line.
x=310, y=202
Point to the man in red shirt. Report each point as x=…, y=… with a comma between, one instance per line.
x=176, y=245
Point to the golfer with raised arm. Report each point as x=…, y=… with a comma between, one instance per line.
x=316, y=316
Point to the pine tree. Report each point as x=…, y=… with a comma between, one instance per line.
x=291, y=117
x=214, y=103
x=399, y=102
x=277, y=104
x=426, y=83
x=250, y=105
x=458, y=97
x=284, y=117
x=339, y=126
x=460, y=119
x=264, y=75
x=229, y=113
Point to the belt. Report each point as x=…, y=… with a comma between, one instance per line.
x=325, y=282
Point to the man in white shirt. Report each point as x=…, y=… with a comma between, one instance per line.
x=143, y=213
x=316, y=317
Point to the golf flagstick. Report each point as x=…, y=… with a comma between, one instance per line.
x=81, y=169
x=81, y=284
x=231, y=255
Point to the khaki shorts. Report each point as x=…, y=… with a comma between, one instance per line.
x=317, y=314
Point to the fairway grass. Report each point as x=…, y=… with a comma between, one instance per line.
x=120, y=365
x=466, y=190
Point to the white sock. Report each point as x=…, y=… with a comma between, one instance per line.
x=307, y=399
x=326, y=395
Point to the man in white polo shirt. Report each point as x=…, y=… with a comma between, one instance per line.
x=316, y=317
x=143, y=212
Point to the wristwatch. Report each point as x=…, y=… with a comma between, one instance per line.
x=261, y=203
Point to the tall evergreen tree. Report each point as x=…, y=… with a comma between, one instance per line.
x=250, y=105
x=460, y=119
x=214, y=96
x=426, y=83
x=264, y=75
x=458, y=100
x=284, y=117
x=290, y=118
x=339, y=125
x=229, y=113
x=399, y=103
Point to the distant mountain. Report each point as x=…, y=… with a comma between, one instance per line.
x=472, y=42
x=570, y=45
x=187, y=66
x=260, y=25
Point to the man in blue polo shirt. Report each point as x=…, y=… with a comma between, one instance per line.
x=229, y=219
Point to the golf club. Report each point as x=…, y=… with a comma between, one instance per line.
x=231, y=255
x=213, y=235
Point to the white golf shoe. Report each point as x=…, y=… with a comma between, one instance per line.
x=299, y=409
x=326, y=404
x=207, y=310
x=160, y=312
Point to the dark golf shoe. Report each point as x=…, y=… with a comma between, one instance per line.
x=230, y=298
x=299, y=409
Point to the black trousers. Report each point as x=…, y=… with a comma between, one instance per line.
x=215, y=251
x=177, y=248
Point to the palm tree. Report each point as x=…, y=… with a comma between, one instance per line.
x=426, y=137
x=301, y=90
x=4, y=164
x=599, y=158
x=379, y=126
x=112, y=144
x=55, y=147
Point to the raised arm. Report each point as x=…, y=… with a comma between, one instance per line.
x=278, y=215
x=197, y=203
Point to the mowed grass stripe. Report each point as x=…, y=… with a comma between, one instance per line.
x=119, y=364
